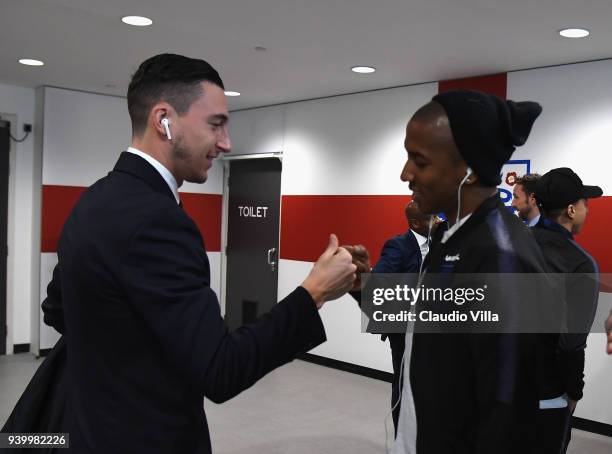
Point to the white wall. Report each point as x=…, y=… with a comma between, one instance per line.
x=258, y=130
x=350, y=144
x=574, y=129
x=19, y=101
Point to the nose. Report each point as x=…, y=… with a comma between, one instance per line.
x=407, y=175
x=224, y=143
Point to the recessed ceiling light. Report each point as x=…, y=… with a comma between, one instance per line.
x=30, y=62
x=232, y=93
x=363, y=69
x=574, y=33
x=138, y=21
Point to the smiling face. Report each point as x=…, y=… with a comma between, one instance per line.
x=200, y=135
x=434, y=167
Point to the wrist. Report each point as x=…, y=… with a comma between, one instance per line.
x=315, y=293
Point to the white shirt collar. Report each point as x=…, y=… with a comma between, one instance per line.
x=423, y=244
x=450, y=232
x=165, y=173
x=534, y=221
x=420, y=238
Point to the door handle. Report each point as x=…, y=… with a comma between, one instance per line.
x=271, y=262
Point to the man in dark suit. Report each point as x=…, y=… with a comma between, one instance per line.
x=131, y=293
x=401, y=254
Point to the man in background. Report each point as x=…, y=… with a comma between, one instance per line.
x=402, y=254
x=564, y=201
x=523, y=198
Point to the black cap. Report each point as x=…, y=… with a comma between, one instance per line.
x=487, y=129
x=562, y=187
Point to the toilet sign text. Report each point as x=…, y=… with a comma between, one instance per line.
x=252, y=212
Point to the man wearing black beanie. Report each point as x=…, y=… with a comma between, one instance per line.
x=473, y=392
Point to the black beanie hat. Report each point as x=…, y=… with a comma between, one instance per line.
x=487, y=129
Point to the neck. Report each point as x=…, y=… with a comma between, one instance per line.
x=471, y=198
x=565, y=223
x=160, y=151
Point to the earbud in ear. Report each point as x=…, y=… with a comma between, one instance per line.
x=468, y=174
x=166, y=124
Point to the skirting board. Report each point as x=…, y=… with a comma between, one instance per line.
x=21, y=348
x=577, y=423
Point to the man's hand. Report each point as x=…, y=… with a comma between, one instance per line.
x=361, y=259
x=332, y=275
x=609, y=333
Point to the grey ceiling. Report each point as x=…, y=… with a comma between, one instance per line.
x=311, y=44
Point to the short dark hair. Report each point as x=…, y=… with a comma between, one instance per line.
x=528, y=181
x=553, y=213
x=167, y=77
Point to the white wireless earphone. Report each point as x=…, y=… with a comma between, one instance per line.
x=166, y=123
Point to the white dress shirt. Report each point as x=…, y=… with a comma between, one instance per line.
x=423, y=244
x=534, y=221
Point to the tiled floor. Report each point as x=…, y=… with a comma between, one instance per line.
x=300, y=408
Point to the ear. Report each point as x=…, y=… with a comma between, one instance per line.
x=158, y=112
x=532, y=200
x=570, y=211
x=473, y=178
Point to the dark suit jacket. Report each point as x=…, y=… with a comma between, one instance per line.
x=400, y=254
x=144, y=334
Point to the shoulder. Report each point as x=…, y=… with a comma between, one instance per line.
x=401, y=242
x=583, y=262
x=505, y=243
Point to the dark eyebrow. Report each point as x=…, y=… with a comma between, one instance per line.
x=416, y=154
x=219, y=117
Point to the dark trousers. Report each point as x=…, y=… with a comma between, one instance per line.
x=553, y=430
x=398, y=344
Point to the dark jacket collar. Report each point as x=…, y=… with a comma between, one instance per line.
x=478, y=216
x=140, y=168
x=549, y=224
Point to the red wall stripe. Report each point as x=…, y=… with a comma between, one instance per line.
x=205, y=210
x=595, y=237
x=495, y=84
x=57, y=203
x=307, y=221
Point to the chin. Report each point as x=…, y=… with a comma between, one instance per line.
x=198, y=179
